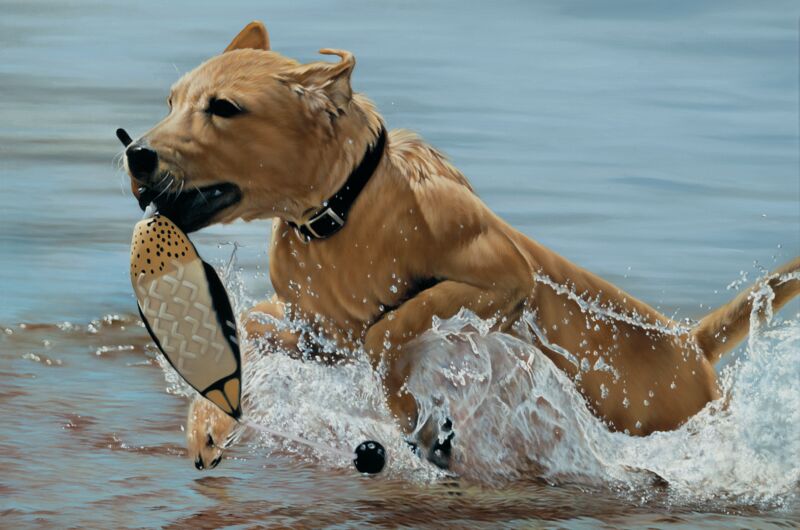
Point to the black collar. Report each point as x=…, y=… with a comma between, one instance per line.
x=332, y=215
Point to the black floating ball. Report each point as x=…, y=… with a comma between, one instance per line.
x=370, y=457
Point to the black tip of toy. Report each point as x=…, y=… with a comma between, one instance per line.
x=370, y=457
x=124, y=137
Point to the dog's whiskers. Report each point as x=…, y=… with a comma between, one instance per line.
x=163, y=178
x=165, y=188
x=119, y=162
x=176, y=191
x=119, y=159
x=200, y=193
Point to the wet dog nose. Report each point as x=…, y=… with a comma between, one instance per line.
x=142, y=161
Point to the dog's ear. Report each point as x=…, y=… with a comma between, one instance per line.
x=254, y=35
x=333, y=79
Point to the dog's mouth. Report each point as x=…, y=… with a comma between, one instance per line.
x=191, y=209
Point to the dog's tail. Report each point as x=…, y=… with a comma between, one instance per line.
x=722, y=329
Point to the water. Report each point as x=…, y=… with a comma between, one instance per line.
x=658, y=149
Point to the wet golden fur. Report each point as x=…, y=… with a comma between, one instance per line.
x=207, y=432
x=417, y=226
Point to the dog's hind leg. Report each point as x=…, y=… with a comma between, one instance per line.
x=722, y=329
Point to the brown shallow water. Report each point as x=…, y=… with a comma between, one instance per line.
x=90, y=439
x=655, y=145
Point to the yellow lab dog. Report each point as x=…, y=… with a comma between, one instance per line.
x=375, y=233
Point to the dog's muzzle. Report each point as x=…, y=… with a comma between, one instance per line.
x=142, y=162
x=190, y=209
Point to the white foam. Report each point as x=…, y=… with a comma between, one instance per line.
x=517, y=416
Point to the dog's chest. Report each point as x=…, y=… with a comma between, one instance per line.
x=350, y=281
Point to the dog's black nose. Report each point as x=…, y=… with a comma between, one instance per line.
x=142, y=161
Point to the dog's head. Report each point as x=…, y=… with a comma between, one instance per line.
x=249, y=134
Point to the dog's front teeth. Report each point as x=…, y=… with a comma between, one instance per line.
x=150, y=210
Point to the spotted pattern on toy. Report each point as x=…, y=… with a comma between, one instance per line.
x=156, y=242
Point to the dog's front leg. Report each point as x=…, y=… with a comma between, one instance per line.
x=207, y=427
x=386, y=338
x=264, y=324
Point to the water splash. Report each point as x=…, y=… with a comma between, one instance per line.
x=526, y=419
x=519, y=417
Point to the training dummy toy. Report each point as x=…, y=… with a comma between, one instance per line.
x=187, y=312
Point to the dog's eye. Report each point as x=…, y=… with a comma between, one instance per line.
x=223, y=108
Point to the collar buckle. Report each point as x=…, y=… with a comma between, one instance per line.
x=324, y=224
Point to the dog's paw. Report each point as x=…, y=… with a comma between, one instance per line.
x=434, y=442
x=441, y=451
x=208, y=432
x=413, y=446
